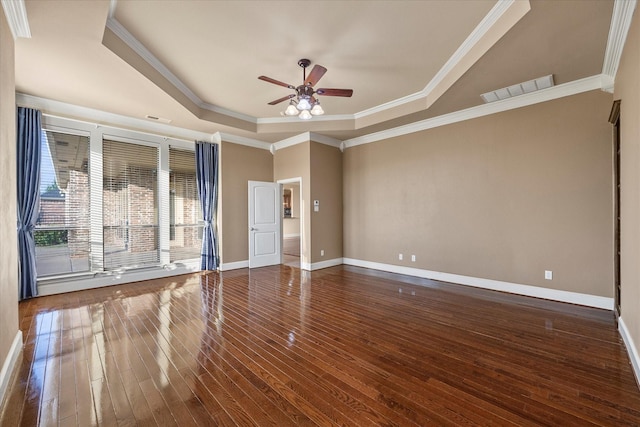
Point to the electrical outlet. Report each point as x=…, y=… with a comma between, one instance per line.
x=400, y=257
x=413, y=258
x=548, y=274
x=321, y=252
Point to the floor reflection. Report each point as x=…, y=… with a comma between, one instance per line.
x=282, y=346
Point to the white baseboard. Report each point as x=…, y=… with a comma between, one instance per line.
x=326, y=264
x=496, y=285
x=632, y=350
x=109, y=278
x=226, y=266
x=288, y=236
x=8, y=366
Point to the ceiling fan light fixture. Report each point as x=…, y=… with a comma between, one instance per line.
x=317, y=109
x=291, y=109
x=303, y=104
x=305, y=115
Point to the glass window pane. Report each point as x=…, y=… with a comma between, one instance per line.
x=62, y=230
x=185, y=217
x=130, y=205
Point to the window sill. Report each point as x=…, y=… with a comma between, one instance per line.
x=91, y=280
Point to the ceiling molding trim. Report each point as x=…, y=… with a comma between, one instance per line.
x=112, y=8
x=560, y=91
x=295, y=119
x=391, y=104
x=216, y=138
x=477, y=35
x=119, y=30
x=123, y=34
x=294, y=140
x=306, y=137
x=326, y=140
x=227, y=112
x=620, y=23
x=90, y=115
x=608, y=83
x=16, y=13
x=241, y=140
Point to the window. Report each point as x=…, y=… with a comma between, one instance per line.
x=185, y=228
x=114, y=201
x=130, y=205
x=62, y=230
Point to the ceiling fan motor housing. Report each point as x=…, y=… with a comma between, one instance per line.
x=305, y=90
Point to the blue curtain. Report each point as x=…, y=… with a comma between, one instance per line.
x=207, y=180
x=29, y=132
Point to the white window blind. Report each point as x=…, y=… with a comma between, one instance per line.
x=62, y=229
x=185, y=218
x=130, y=205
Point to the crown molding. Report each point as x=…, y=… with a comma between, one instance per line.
x=112, y=8
x=295, y=119
x=326, y=140
x=69, y=111
x=567, y=89
x=476, y=36
x=123, y=34
x=294, y=140
x=620, y=23
x=119, y=30
x=241, y=140
x=306, y=137
x=391, y=104
x=16, y=13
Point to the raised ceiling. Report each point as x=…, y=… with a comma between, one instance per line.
x=196, y=63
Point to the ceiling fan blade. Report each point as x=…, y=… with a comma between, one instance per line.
x=279, y=100
x=276, y=82
x=316, y=74
x=335, y=92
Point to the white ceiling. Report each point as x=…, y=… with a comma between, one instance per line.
x=196, y=63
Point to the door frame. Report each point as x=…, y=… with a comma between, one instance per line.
x=296, y=180
x=614, y=119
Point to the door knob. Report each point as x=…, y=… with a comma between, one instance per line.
x=254, y=229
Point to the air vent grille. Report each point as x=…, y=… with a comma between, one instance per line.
x=519, y=89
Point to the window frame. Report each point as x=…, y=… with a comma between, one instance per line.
x=98, y=276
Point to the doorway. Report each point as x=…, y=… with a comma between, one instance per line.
x=614, y=119
x=291, y=221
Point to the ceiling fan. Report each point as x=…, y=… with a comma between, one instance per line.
x=303, y=103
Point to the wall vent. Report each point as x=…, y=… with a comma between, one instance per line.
x=158, y=119
x=518, y=89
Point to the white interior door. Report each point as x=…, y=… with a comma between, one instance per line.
x=264, y=224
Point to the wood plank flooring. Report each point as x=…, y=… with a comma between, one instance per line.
x=345, y=346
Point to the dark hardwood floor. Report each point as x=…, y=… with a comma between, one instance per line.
x=341, y=346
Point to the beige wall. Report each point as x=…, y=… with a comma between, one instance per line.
x=627, y=89
x=503, y=197
x=326, y=187
x=8, y=237
x=293, y=162
x=239, y=165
